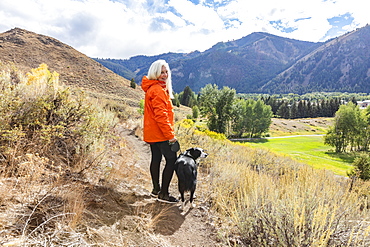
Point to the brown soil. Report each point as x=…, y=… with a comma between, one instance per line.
x=172, y=226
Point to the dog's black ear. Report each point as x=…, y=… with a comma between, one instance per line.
x=195, y=153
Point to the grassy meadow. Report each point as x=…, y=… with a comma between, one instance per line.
x=309, y=150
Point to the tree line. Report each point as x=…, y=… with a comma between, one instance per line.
x=292, y=109
x=248, y=115
x=288, y=106
x=233, y=115
x=226, y=113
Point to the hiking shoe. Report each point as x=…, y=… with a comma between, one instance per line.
x=167, y=198
x=154, y=193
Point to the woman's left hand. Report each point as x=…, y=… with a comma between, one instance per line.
x=173, y=140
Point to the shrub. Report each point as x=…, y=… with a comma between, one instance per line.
x=133, y=83
x=141, y=107
x=40, y=116
x=195, y=111
x=361, y=167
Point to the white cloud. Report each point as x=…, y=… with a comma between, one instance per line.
x=125, y=28
x=199, y=16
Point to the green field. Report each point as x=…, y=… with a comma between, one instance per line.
x=310, y=150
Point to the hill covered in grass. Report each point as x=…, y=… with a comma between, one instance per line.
x=28, y=50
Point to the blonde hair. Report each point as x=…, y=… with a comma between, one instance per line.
x=155, y=71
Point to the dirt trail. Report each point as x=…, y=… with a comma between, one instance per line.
x=190, y=227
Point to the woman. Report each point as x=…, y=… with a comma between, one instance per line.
x=159, y=126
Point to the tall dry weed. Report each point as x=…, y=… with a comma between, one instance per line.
x=74, y=205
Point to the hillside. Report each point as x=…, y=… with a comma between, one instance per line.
x=28, y=50
x=98, y=200
x=57, y=189
x=244, y=64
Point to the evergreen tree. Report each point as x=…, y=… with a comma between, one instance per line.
x=315, y=110
x=186, y=96
x=132, y=83
x=195, y=112
x=327, y=109
x=273, y=102
x=175, y=100
x=283, y=110
x=300, y=109
x=309, y=112
x=293, y=110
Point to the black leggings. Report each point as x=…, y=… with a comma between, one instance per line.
x=158, y=150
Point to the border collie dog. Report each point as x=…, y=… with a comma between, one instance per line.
x=186, y=171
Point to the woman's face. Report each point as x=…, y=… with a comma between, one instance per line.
x=164, y=74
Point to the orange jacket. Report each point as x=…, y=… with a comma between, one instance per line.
x=158, y=112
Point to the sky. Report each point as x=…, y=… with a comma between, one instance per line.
x=122, y=29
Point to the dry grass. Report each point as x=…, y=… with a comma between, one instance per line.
x=258, y=198
x=51, y=198
x=264, y=199
x=47, y=207
x=304, y=126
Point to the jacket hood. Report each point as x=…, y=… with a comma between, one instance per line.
x=146, y=83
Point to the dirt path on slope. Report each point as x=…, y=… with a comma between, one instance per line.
x=190, y=227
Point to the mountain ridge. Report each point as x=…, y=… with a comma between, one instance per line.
x=257, y=63
x=341, y=64
x=266, y=63
x=225, y=63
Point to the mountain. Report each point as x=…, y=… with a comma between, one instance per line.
x=340, y=65
x=265, y=63
x=245, y=64
x=138, y=66
x=28, y=50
